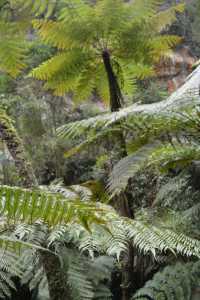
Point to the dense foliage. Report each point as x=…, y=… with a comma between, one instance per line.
x=99, y=169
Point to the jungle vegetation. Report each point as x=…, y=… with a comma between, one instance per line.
x=99, y=195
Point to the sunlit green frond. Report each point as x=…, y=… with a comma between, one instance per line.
x=140, y=71
x=22, y=205
x=142, y=9
x=12, y=48
x=36, y=7
x=101, y=84
x=63, y=73
x=123, y=29
x=52, y=33
x=85, y=83
x=49, y=68
x=112, y=15
x=166, y=17
x=161, y=46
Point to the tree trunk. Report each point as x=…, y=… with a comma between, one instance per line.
x=9, y=135
x=120, y=202
x=115, y=91
x=57, y=283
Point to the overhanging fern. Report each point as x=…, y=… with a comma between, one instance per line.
x=23, y=205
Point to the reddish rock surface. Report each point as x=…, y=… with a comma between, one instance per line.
x=176, y=68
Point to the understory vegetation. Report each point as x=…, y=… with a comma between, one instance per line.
x=99, y=162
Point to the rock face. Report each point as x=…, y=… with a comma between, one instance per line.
x=175, y=69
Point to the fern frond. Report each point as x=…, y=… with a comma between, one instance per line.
x=151, y=155
x=124, y=29
x=8, y=269
x=49, y=68
x=161, y=46
x=88, y=142
x=101, y=84
x=36, y=7
x=146, y=237
x=166, y=17
x=22, y=205
x=171, y=156
x=12, y=48
x=144, y=9
x=127, y=168
x=52, y=33
x=185, y=96
x=174, y=282
x=77, y=275
x=72, y=192
x=115, y=238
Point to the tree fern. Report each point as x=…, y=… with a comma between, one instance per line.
x=149, y=239
x=112, y=240
x=184, y=97
x=84, y=32
x=152, y=239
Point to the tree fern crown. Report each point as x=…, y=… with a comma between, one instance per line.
x=128, y=33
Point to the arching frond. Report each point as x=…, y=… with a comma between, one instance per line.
x=184, y=97
x=13, y=33
x=72, y=192
x=166, y=17
x=36, y=7
x=171, y=156
x=128, y=167
x=94, y=27
x=22, y=205
x=53, y=33
x=163, y=157
x=147, y=238
x=161, y=46
x=12, y=48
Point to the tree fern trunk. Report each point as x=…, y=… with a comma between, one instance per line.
x=56, y=279
x=115, y=92
x=120, y=202
x=9, y=135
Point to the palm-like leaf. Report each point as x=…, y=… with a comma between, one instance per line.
x=90, y=29
x=23, y=205
x=13, y=33
x=12, y=50
x=147, y=237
